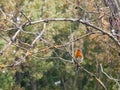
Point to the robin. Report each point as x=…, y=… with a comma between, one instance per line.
x=78, y=55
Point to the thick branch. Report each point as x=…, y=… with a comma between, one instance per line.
x=75, y=20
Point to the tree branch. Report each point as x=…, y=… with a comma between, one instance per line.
x=11, y=41
x=39, y=36
x=75, y=20
x=23, y=59
x=94, y=76
x=110, y=77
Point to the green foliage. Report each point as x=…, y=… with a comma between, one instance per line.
x=6, y=80
x=2, y=43
x=42, y=69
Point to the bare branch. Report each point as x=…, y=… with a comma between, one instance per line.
x=3, y=13
x=62, y=59
x=110, y=77
x=11, y=41
x=59, y=19
x=103, y=31
x=76, y=20
x=94, y=76
x=23, y=59
x=39, y=36
x=26, y=17
x=66, y=44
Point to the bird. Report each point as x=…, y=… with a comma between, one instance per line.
x=79, y=55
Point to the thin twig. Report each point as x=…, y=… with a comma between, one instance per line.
x=26, y=17
x=66, y=44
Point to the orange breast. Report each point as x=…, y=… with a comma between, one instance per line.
x=78, y=54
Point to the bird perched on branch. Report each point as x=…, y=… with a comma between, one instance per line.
x=79, y=56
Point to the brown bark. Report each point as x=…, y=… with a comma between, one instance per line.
x=114, y=19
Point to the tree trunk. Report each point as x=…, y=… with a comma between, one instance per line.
x=114, y=19
x=33, y=84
